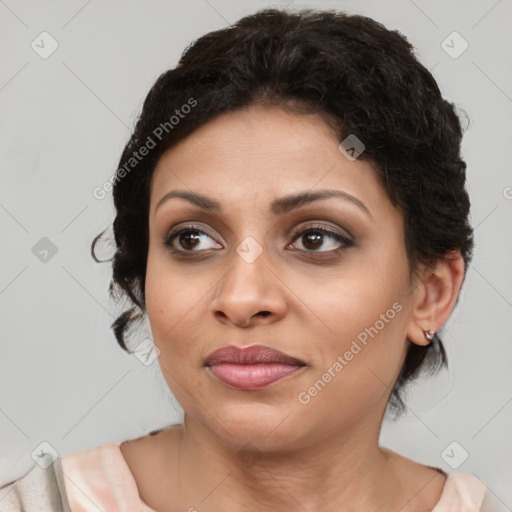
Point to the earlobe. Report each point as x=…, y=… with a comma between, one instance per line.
x=435, y=297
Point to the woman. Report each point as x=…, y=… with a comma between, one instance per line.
x=292, y=218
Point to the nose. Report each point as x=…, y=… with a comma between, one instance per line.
x=249, y=293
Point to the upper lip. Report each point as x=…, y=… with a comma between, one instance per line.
x=250, y=355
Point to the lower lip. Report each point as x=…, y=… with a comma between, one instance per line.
x=252, y=376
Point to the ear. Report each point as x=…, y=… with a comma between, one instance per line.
x=435, y=296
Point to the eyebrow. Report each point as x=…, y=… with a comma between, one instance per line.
x=277, y=206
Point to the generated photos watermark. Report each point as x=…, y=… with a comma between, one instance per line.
x=361, y=341
x=158, y=133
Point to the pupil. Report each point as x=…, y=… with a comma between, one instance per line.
x=316, y=240
x=191, y=235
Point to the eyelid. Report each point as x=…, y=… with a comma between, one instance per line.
x=299, y=218
x=345, y=232
x=329, y=231
x=186, y=226
x=289, y=233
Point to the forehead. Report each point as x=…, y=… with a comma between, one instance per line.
x=251, y=156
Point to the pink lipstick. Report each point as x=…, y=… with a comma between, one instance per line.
x=252, y=367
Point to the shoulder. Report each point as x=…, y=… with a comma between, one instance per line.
x=111, y=475
x=438, y=490
x=462, y=491
x=101, y=474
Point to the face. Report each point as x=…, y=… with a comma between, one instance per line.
x=325, y=281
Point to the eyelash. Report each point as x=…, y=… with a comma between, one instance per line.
x=347, y=242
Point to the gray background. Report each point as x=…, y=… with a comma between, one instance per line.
x=64, y=122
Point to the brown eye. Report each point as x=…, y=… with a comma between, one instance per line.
x=187, y=239
x=314, y=238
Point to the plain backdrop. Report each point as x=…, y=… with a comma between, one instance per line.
x=65, y=118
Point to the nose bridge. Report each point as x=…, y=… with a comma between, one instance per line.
x=249, y=287
x=248, y=265
x=251, y=235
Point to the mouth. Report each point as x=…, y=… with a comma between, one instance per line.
x=251, y=368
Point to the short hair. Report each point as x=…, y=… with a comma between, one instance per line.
x=363, y=79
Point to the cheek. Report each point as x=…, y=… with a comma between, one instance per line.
x=175, y=308
x=358, y=367
x=173, y=304
x=166, y=303
x=362, y=350
x=349, y=302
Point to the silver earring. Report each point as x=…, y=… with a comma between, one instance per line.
x=429, y=335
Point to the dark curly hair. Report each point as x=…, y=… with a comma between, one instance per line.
x=362, y=78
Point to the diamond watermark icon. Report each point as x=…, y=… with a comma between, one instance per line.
x=454, y=455
x=146, y=352
x=44, y=250
x=352, y=147
x=249, y=249
x=454, y=45
x=44, y=45
x=249, y=454
x=44, y=454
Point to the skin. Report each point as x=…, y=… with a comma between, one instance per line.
x=323, y=455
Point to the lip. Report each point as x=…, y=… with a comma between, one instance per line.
x=253, y=367
x=250, y=355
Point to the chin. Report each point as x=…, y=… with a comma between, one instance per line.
x=267, y=426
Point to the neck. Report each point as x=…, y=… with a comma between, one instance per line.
x=356, y=475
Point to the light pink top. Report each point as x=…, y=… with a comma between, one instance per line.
x=100, y=479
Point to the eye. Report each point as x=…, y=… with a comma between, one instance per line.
x=189, y=238
x=314, y=238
